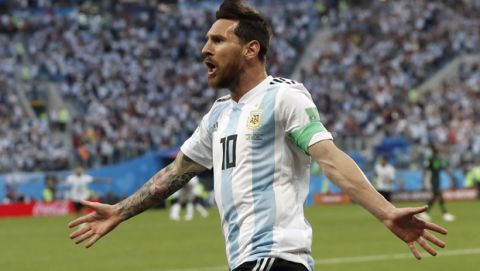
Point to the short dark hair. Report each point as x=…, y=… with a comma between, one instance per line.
x=252, y=25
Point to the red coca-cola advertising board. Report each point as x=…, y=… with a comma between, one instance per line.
x=55, y=208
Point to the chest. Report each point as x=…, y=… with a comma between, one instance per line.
x=241, y=131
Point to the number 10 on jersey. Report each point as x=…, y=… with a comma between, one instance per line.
x=229, y=147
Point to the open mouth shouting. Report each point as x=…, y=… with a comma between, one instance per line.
x=211, y=66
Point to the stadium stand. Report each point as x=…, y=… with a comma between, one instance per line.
x=131, y=78
x=365, y=79
x=25, y=143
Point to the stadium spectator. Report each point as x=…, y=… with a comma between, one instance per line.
x=472, y=180
x=49, y=193
x=13, y=193
x=261, y=182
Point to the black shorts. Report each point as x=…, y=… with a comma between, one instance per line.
x=271, y=264
x=198, y=200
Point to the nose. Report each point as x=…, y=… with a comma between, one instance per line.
x=207, y=49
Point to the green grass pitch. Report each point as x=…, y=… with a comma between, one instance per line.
x=345, y=238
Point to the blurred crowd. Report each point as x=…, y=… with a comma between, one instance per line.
x=365, y=78
x=456, y=104
x=25, y=144
x=132, y=78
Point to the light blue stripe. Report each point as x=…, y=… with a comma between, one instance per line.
x=311, y=263
x=230, y=214
x=215, y=114
x=263, y=169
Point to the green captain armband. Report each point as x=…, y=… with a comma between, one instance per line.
x=302, y=136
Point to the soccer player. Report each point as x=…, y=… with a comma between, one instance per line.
x=259, y=140
x=78, y=188
x=190, y=196
x=435, y=165
x=195, y=201
x=78, y=184
x=384, y=176
x=177, y=200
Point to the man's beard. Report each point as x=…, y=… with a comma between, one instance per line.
x=229, y=78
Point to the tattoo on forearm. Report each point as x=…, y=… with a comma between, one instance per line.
x=136, y=203
x=162, y=185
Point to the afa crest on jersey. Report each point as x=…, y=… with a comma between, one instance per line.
x=254, y=120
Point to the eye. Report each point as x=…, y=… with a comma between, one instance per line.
x=216, y=40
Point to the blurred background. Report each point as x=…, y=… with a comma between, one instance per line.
x=117, y=86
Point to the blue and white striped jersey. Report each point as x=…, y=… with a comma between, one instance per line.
x=258, y=149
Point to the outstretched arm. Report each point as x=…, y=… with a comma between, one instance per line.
x=106, y=217
x=161, y=186
x=345, y=173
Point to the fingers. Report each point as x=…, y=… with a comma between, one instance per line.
x=411, y=211
x=80, y=220
x=79, y=232
x=418, y=210
x=92, y=241
x=88, y=233
x=85, y=218
x=90, y=204
x=430, y=237
x=426, y=246
x=84, y=237
x=414, y=250
x=83, y=234
x=436, y=228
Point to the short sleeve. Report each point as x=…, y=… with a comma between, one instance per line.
x=199, y=146
x=301, y=118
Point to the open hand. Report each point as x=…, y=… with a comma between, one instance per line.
x=95, y=225
x=406, y=226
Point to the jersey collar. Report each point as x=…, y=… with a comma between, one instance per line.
x=254, y=91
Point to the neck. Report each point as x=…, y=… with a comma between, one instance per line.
x=249, y=79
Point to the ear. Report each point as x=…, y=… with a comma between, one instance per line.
x=251, y=50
